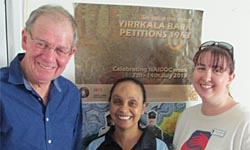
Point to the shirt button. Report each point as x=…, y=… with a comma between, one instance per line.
x=49, y=141
x=47, y=119
x=39, y=99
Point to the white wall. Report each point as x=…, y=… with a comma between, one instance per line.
x=223, y=20
x=3, y=49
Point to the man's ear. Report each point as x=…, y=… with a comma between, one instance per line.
x=25, y=39
x=73, y=50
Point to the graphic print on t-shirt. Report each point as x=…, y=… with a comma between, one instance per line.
x=197, y=141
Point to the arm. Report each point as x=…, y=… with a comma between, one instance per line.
x=78, y=131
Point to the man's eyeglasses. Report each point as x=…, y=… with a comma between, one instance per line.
x=44, y=45
x=226, y=46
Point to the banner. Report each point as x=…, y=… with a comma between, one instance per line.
x=155, y=45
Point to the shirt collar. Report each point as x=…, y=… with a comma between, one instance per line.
x=146, y=141
x=16, y=74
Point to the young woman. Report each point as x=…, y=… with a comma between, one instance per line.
x=127, y=105
x=219, y=122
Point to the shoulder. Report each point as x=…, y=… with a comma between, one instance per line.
x=196, y=109
x=96, y=143
x=66, y=89
x=243, y=108
x=4, y=70
x=189, y=114
x=193, y=108
x=66, y=84
x=242, y=112
x=64, y=81
x=160, y=145
x=3, y=73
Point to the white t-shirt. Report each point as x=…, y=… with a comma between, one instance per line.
x=227, y=131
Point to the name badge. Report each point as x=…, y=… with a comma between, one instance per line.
x=218, y=132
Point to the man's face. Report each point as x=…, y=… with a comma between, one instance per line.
x=151, y=121
x=41, y=65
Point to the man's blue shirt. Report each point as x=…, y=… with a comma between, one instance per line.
x=27, y=124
